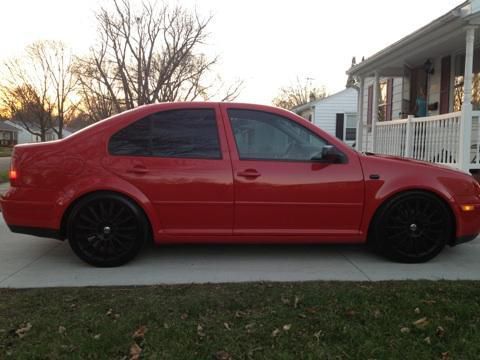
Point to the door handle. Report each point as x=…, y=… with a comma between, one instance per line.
x=249, y=173
x=139, y=170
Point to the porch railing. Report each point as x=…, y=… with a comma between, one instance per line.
x=434, y=138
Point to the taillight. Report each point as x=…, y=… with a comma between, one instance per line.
x=13, y=175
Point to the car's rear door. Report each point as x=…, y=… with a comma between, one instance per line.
x=179, y=159
x=279, y=190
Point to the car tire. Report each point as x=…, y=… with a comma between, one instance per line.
x=412, y=227
x=106, y=229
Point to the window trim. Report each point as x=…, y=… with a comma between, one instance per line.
x=279, y=160
x=216, y=114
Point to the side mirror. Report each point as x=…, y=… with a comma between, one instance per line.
x=330, y=155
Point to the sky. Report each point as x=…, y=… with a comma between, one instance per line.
x=265, y=43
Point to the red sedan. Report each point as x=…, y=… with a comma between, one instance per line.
x=230, y=173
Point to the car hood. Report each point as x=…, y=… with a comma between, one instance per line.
x=403, y=160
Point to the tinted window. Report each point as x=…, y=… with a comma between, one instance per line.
x=176, y=133
x=262, y=135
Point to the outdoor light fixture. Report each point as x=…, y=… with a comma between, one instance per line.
x=428, y=67
x=468, y=207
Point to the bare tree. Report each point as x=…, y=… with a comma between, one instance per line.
x=145, y=55
x=298, y=94
x=37, y=88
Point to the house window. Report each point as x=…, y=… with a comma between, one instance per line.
x=382, y=101
x=350, y=127
x=385, y=100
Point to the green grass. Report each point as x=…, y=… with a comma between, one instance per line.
x=246, y=321
x=5, y=151
x=3, y=176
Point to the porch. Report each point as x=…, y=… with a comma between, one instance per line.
x=436, y=139
x=420, y=97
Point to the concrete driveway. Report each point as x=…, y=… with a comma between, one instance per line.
x=27, y=261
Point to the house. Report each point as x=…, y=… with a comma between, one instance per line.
x=420, y=97
x=8, y=134
x=23, y=136
x=336, y=114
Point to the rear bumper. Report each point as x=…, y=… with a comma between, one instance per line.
x=30, y=211
x=463, y=239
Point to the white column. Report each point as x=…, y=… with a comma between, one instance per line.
x=376, y=89
x=408, y=137
x=466, y=121
x=359, y=136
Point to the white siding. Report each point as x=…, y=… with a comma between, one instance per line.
x=326, y=110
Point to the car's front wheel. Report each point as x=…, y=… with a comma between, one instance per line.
x=412, y=227
x=106, y=229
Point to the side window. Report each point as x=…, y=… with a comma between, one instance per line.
x=265, y=136
x=175, y=133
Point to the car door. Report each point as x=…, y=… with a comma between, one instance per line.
x=279, y=189
x=179, y=159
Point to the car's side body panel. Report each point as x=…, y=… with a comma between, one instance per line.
x=191, y=200
x=296, y=197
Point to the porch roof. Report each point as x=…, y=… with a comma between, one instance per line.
x=443, y=36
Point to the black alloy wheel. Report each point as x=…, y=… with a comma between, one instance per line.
x=413, y=227
x=106, y=229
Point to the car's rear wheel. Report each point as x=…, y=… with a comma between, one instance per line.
x=106, y=229
x=413, y=227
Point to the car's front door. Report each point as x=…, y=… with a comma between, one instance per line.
x=279, y=189
x=179, y=159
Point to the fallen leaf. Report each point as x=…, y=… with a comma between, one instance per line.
x=285, y=301
x=222, y=355
x=417, y=310
x=427, y=340
x=440, y=331
x=318, y=334
x=377, y=314
x=445, y=355
x=135, y=351
x=296, y=301
x=109, y=312
x=97, y=336
x=250, y=326
x=227, y=326
x=239, y=314
x=275, y=332
x=287, y=327
x=184, y=316
x=350, y=312
x=421, y=322
x=303, y=316
x=165, y=326
x=140, y=332
x=23, y=329
x=200, y=331
x=62, y=330
x=404, y=330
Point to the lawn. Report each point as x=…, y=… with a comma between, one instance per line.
x=3, y=176
x=318, y=320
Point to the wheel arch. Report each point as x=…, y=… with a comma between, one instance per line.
x=75, y=201
x=434, y=193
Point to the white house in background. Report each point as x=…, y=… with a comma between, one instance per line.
x=335, y=114
x=24, y=137
x=420, y=97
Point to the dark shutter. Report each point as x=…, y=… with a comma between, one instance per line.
x=389, y=99
x=370, y=105
x=445, y=85
x=340, y=126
